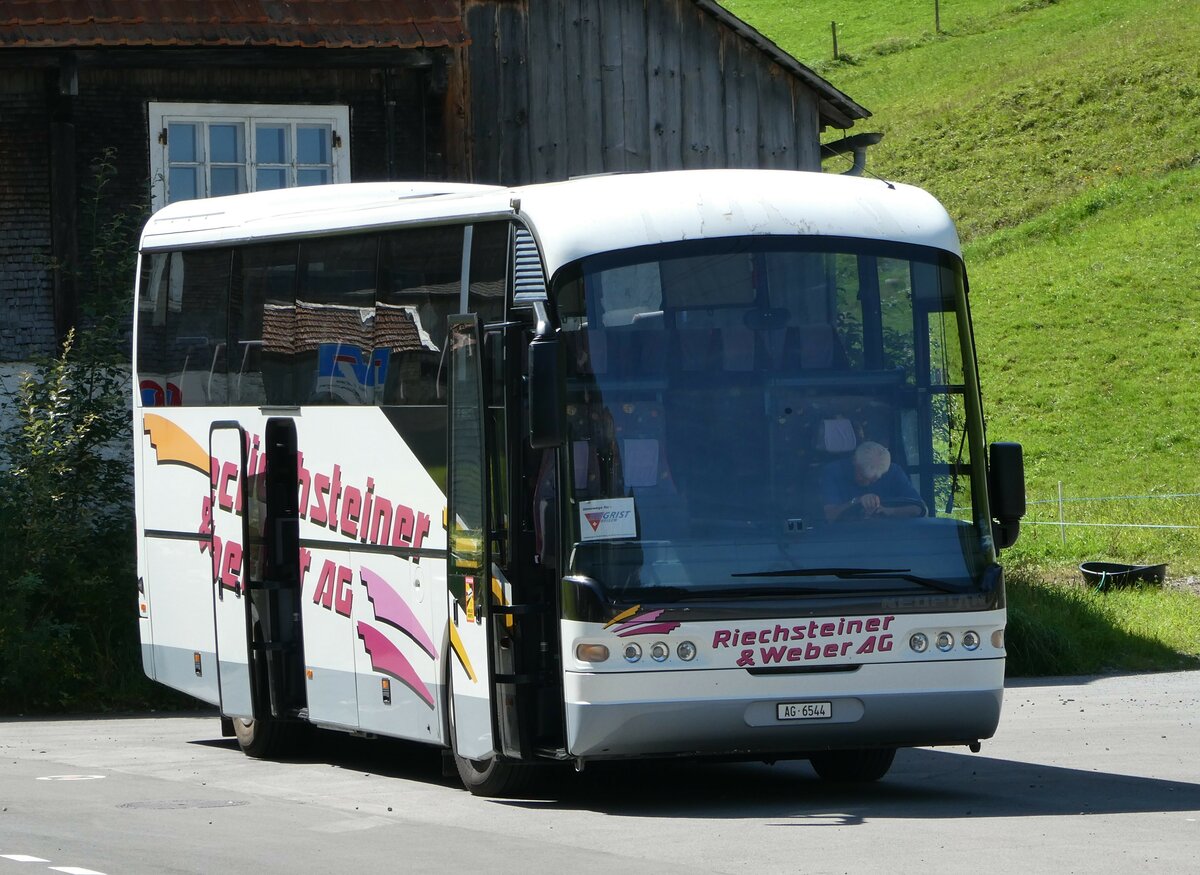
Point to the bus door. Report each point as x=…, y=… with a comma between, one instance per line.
x=231, y=602
x=468, y=576
x=272, y=570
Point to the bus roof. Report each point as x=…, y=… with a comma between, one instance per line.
x=579, y=217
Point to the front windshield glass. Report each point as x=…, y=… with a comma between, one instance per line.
x=772, y=415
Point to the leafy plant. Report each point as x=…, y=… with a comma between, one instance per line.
x=68, y=629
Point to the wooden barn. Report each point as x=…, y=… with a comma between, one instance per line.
x=176, y=100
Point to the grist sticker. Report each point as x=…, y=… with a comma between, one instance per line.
x=607, y=519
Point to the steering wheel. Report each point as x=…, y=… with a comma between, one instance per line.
x=856, y=513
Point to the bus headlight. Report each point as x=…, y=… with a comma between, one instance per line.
x=998, y=639
x=659, y=651
x=970, y=640
x=633, y=651
x=591, y=652
x=686, y=651
x=919, y=642
x=944, y=641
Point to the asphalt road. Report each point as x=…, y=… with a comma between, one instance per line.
x=1085, y=775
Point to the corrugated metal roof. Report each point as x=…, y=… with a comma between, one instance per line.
x=330, y=24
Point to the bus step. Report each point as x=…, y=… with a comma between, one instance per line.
x=273, y=646
x=518, y=610
x=269, y=585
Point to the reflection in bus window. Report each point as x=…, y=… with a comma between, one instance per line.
x=264, y=328
x=420, y=285
x=181, y=327
x=337, y=359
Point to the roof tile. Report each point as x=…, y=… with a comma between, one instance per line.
x=308, y=23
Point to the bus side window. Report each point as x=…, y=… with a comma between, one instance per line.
x=419, y=287
x=486, y=292
x=181, y=328
x=336, y=357
x=264, y=325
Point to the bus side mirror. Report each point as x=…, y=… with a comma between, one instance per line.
x=1006, y=483
x=547, y=399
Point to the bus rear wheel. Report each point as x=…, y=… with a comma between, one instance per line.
x=853, y=766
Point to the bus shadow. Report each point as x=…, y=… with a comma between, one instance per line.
x=923, y=784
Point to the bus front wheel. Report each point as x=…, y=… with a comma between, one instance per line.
x=490, y=776
x=853, y=766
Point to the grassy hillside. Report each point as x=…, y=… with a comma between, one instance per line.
x=1064, y=137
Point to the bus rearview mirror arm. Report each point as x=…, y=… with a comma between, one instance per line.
x=1006, y=483
x=547, y=393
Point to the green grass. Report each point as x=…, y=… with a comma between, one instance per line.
x=1064, y=138
x=1059, y=628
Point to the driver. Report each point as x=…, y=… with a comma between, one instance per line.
x=867, y=483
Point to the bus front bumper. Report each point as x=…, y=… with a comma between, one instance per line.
x=733, y=713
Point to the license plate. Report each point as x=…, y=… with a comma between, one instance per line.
x=804, y=710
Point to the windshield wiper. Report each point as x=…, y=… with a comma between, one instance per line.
x=856, y=574
x=678, y=594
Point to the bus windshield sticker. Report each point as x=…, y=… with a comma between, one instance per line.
x=607, y=519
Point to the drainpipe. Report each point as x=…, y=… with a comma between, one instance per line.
x=856, y=145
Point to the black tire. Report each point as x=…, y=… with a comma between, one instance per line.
x=853, y=766
x=487, y=777
x=265, y=737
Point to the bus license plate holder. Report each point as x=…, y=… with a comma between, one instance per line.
x=804, y=710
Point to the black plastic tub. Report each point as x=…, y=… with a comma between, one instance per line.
x=1102, y=575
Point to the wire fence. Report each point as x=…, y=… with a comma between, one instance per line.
x=1060, y=505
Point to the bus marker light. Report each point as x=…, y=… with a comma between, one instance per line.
x=387, y=691
x=998, y=639
x=944, y=641
x=919, y=642
x=196, y=663
x=633, y=651
x=659, y=651
x=970, y=640
x=591, y=652
x=686, y=651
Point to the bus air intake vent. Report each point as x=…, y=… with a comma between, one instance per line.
x=529, y=282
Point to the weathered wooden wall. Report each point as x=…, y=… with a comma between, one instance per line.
x=562, y=88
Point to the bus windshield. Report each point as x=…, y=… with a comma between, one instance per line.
x=772, y=416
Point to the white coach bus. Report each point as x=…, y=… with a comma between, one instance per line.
x=684, y=464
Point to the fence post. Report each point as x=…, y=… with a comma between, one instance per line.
x=833, y=27
x=1062, y=528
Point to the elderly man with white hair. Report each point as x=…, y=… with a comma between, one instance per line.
x=866, y=485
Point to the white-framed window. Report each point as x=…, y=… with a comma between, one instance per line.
x=210, y=149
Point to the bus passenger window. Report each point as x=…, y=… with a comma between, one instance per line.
x=419, y=287
x=264, y=325
x=181, y=329
x=337, y=360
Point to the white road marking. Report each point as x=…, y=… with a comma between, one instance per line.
x=23, y=858
x=71, y=778
x=75, y=870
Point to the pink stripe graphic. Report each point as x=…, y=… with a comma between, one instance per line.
x=387, y=659
x=647, y=629
x=390, y=608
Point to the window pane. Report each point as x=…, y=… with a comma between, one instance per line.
x=181, y=329
x=267, y=178
x=225, y=144
x=270, y=143
x=312, y=177
x=181, y=184
x=337, y=359
x=181, y=142
x=261, y=350
x=419, y=288
x=312, y=145
x=228, y=180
